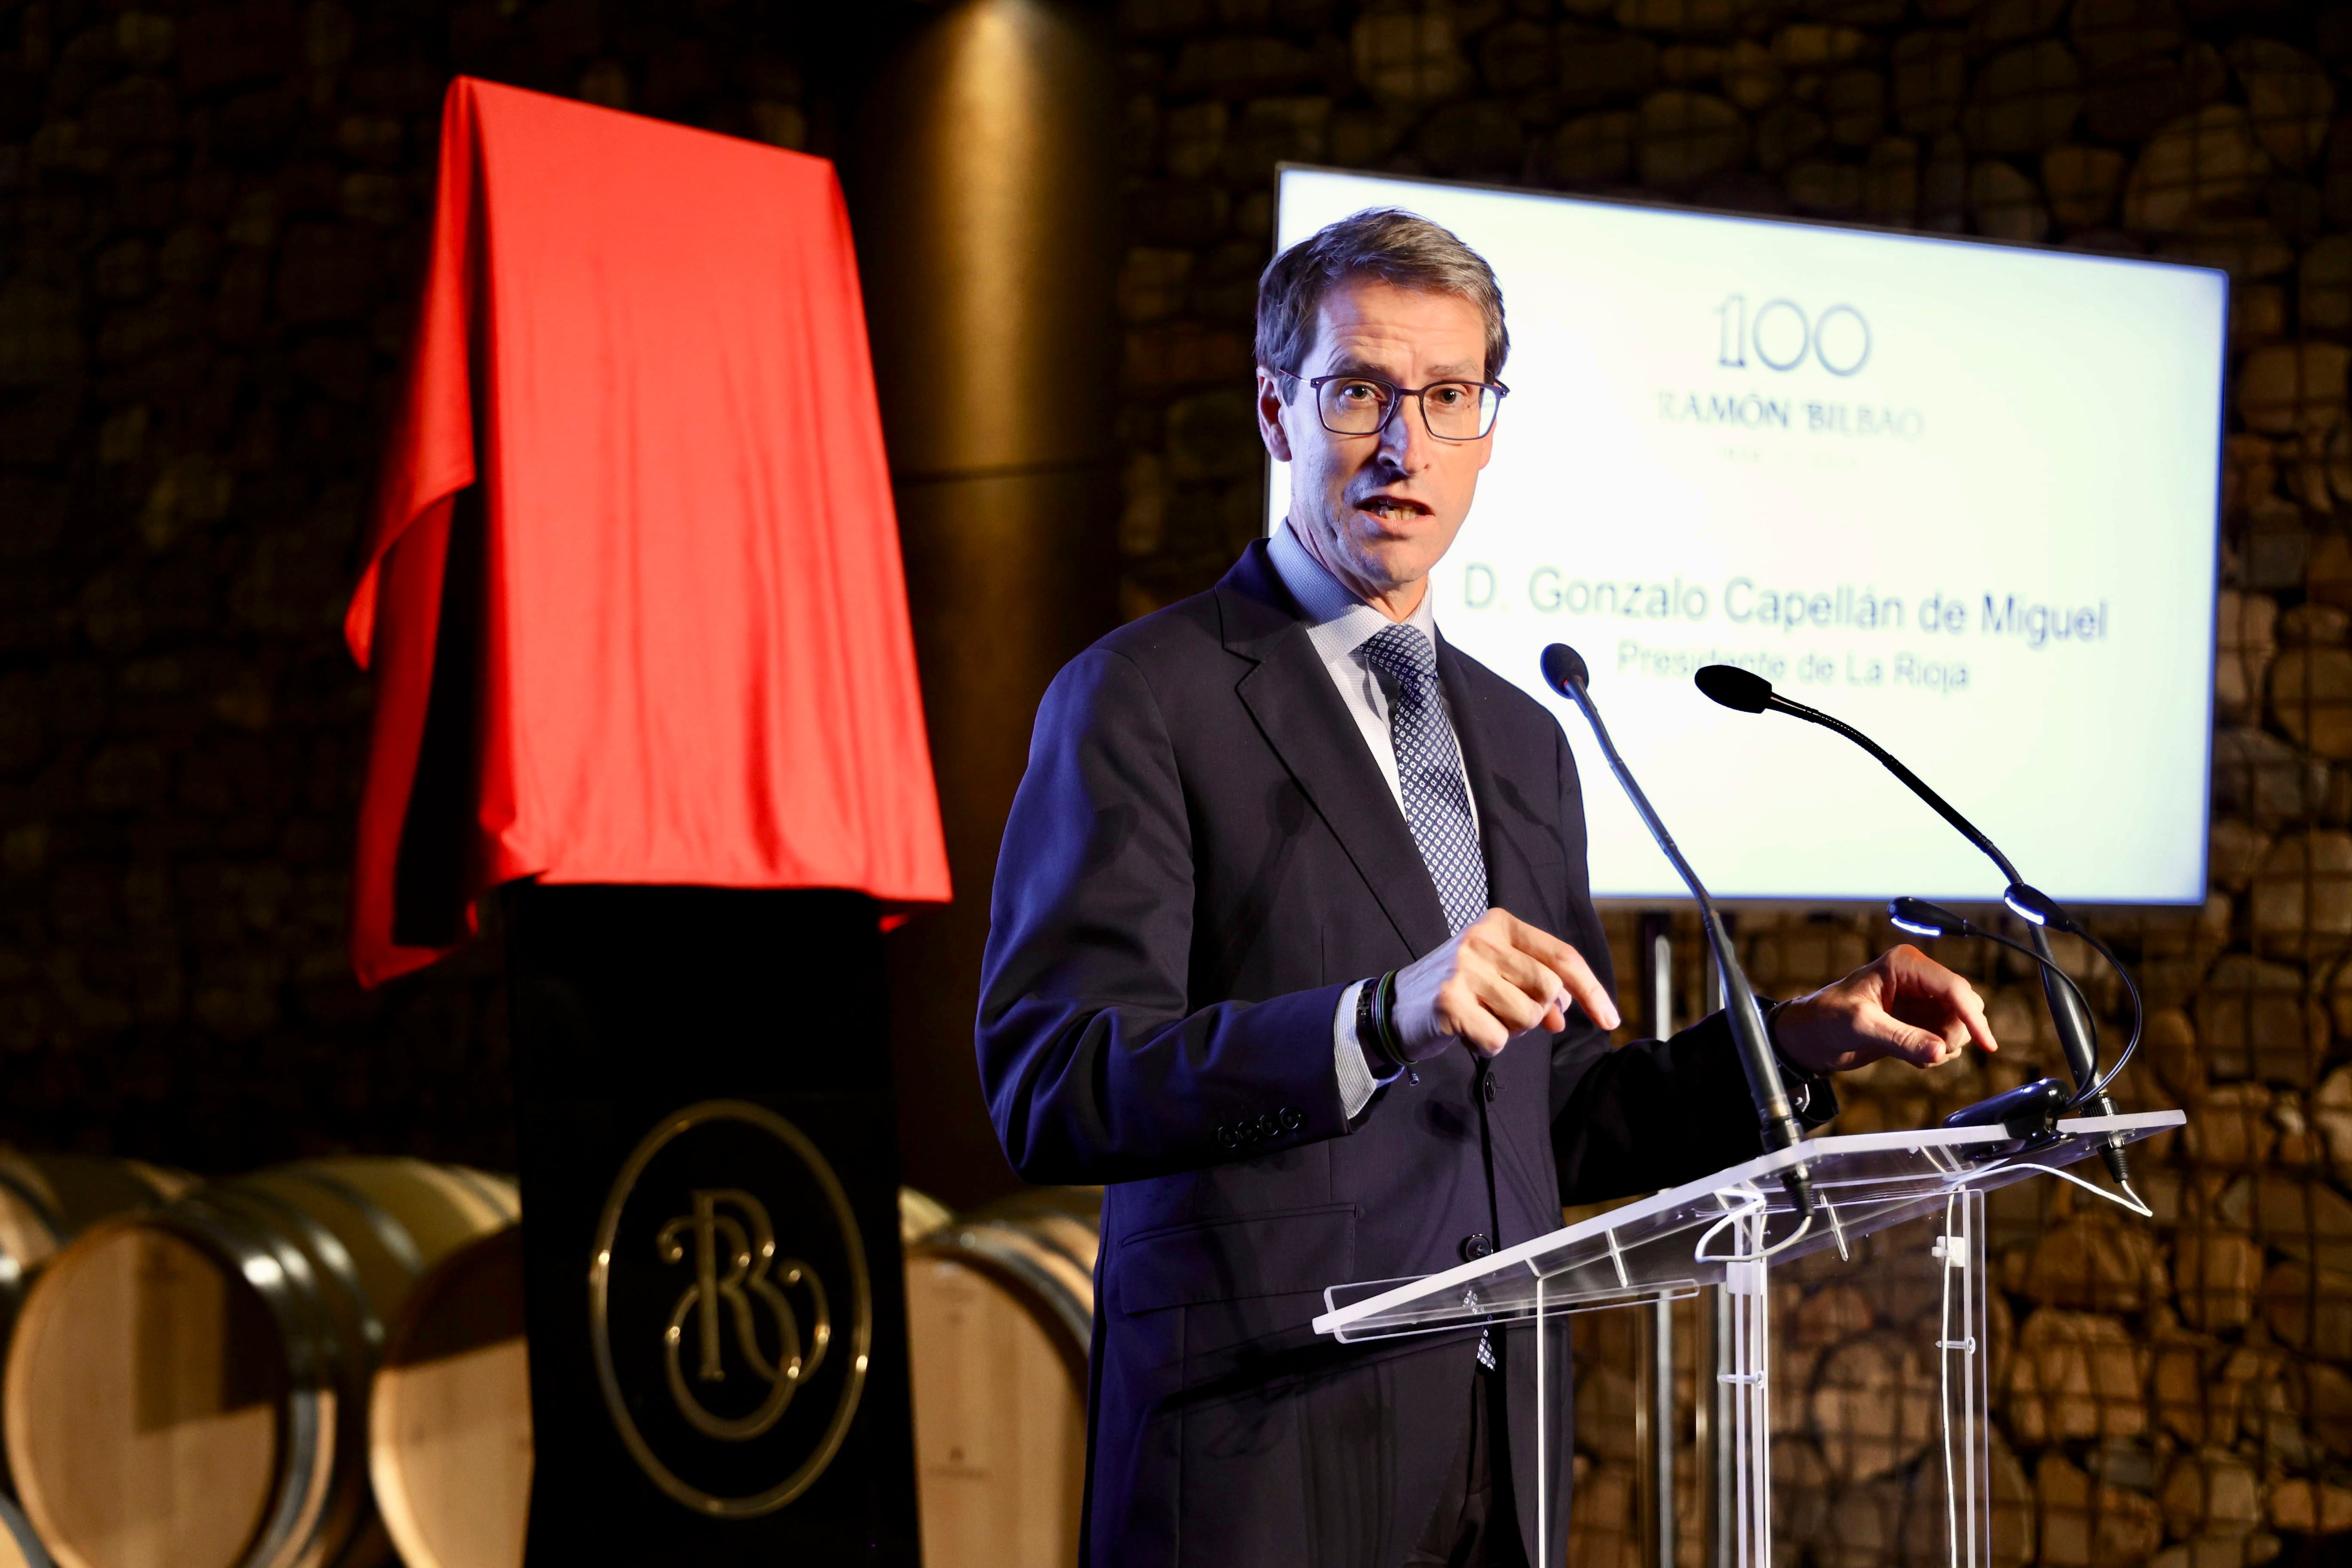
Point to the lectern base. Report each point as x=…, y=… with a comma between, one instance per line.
x=712, y=1277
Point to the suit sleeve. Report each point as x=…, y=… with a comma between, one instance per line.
x=1095, y=1066
x=1649, y=1114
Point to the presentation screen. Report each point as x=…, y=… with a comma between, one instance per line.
x=1962, y=496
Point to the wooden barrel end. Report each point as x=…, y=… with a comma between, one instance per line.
x=999, y=1315
x=449, y=1439
x=143, y=1373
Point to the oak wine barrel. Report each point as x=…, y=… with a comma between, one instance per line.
x=187, y=1388
x=44, y=1199
x=449, y=1415
x=999, y=1315
x=449, y=1441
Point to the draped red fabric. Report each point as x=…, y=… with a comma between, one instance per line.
x=633, y=597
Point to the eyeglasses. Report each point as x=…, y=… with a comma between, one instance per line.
x=1363, y=405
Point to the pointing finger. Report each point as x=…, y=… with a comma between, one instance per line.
x=1968, y=1009
x=1509, y=1002
x=1922, y=976
x=1920, y=1047
x=1973, y=1016
x=1574, y=972
x=1533, y=977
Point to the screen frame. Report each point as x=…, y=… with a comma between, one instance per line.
x=1760, y=903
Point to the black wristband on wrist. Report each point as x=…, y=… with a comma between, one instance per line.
x=1376, y=1024
x=1390, y=1040
x=1368, y=1028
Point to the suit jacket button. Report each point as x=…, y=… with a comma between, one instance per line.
x=1225, y=1136
x=1477, y=1245
x=1490, y=1087
x=1293, y=1119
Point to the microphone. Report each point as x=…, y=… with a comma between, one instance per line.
x=1750, y=693
x=1734, y=688
x=2030, y=1109
x=1564, y=671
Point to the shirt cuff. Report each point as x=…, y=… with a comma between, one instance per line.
x=1357, y=1083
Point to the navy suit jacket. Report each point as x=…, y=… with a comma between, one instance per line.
x=1201, y=856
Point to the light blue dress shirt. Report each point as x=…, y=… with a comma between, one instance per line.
x=1338, y=625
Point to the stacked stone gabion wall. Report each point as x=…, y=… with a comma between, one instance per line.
x=2176, y=1391
x=2173, y=1392
x=211, y=221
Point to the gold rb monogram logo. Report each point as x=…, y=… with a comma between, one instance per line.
x=739, y=1280
x=764, y=1329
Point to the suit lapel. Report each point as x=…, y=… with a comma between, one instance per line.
x=1506, y=832
x=1289, y=693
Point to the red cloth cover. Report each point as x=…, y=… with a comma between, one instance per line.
x=678, y=586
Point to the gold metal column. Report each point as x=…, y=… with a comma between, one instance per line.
x=984, y=187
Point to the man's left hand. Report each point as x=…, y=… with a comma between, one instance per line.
x=1901, y=1004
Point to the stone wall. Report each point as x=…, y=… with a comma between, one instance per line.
x=211, y=222
x=2174, y=1392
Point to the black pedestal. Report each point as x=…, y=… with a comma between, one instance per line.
x=710, y=1186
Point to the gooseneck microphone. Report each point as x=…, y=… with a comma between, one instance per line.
x=1751, y=694
x=2031, y=1110
x=1563, y=669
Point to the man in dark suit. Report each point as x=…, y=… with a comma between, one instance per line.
x=1292, y=947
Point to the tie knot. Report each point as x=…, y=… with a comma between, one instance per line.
x=1403, y=655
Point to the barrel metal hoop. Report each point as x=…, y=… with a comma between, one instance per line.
x=295, y=1517
x=974, y=1242
x=289, y=1289
x=328, y=1250
x=387, y=1225
x=284, y=1279
x=19, y=1530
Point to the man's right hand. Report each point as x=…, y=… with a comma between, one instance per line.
x=1500, y=977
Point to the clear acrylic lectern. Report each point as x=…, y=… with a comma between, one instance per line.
x=1726, y=1231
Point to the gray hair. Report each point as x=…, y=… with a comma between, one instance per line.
x=1397, y=248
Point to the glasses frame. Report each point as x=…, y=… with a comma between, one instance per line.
x=1315, y=393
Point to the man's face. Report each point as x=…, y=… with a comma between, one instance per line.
x=1379, y=511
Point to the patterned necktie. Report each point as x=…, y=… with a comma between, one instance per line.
x=1429, y=773
x=1436, y=797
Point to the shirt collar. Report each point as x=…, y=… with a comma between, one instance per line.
x=1337, y=623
